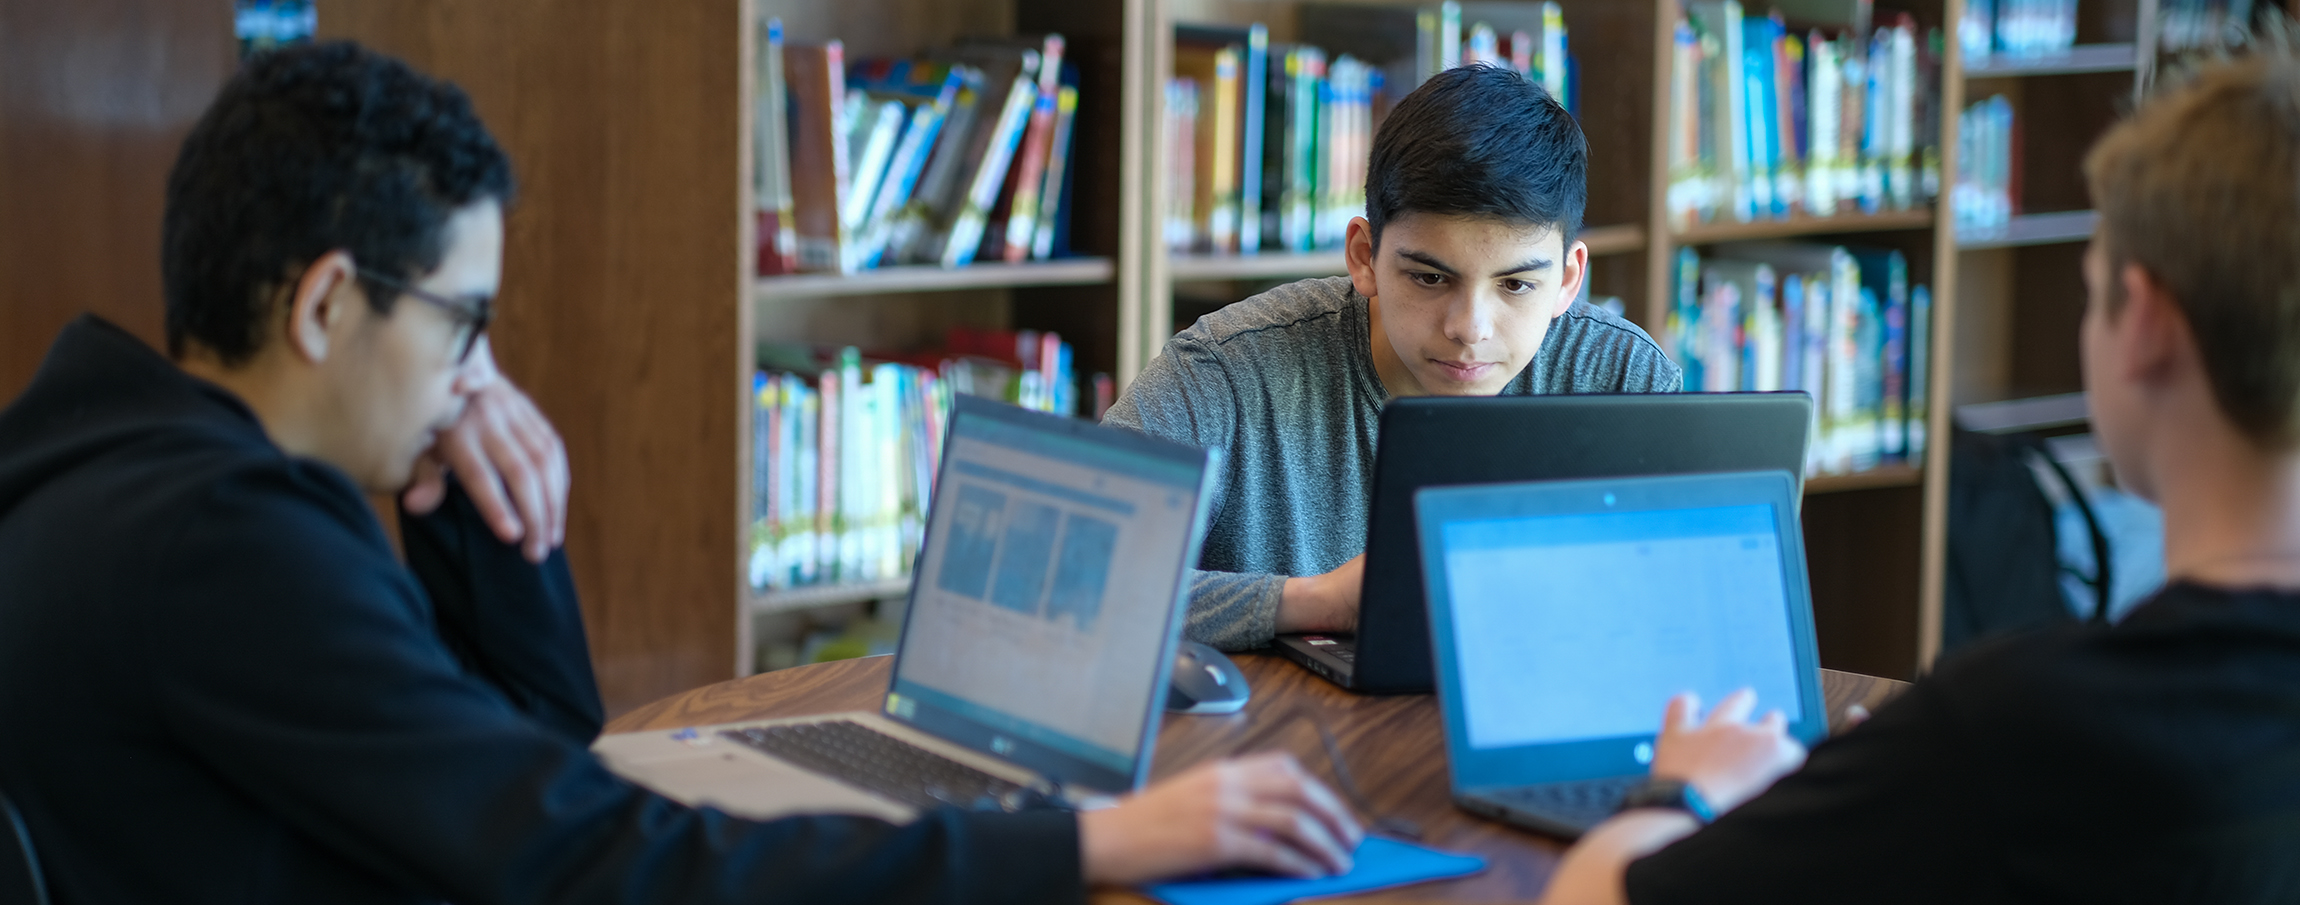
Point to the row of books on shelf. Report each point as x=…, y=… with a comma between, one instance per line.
x=959, y=155
x=1265, y=145
x=1841, y=323
x=2198, y=24
x=844, y=449
x=1985, y=194
x=1766, y=123
x=2016, y=27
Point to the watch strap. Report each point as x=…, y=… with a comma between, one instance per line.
x=1669, y=794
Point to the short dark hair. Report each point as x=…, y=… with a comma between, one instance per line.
x=1479, y=140
x=307, y=150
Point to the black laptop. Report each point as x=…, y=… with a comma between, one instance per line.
x=1437, y=441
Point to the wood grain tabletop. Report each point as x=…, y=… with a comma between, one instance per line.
x=1394, y=746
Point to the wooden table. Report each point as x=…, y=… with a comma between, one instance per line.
x=1395, y=746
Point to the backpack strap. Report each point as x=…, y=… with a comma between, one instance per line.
x=2104, y=588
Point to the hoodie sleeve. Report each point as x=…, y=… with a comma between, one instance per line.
x=514, y=624
x=296, y=661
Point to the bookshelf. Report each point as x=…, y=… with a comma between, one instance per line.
x=900, y=308
x=631, y=311
x=1873, y=538
x=652, y=395
x=1612, y=98
x=2018, y=287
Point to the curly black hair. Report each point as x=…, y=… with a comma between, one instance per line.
x=1479, y=140
x=307, y=150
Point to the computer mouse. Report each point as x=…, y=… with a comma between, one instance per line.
x=1205, y=681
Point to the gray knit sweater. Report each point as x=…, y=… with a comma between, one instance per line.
x=1284, y=384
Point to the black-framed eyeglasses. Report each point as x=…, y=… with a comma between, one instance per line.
x=473, y=315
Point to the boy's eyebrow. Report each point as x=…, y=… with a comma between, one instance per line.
x=1526, y=266
x=1426, y=259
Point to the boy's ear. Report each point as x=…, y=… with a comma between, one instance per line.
x=1572, y=272
x=319, y=306
x=2155, y=332
x=1358, y=255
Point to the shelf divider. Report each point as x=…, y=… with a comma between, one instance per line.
x=2074, y=61
x=786, y=599
x=1881, y=476
x=927, y=278
x=1802, y=225
x=2030, y=229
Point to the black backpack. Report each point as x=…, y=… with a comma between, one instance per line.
x=2003, y=566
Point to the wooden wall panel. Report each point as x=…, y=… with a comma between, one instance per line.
x=621, y=310
x=95, y=96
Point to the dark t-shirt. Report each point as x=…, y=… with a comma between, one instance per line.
x=2158, y=761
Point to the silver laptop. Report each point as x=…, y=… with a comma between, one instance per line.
x=1034, y=656
x=1565, y=614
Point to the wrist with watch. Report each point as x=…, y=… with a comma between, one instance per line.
x=1668, y=794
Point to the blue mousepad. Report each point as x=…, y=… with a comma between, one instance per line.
x=1380, y=863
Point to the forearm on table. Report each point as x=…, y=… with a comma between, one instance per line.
x=1234, y=610
x=515, y=624
x=1594, y=870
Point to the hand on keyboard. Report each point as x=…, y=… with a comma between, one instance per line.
x=1262, y=812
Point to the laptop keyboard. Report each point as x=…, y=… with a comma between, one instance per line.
x=1588, y=800
x=876, y=762
x=1344, y=654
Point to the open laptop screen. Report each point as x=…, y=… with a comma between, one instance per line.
x=1608, y=615
x=1567, y=613
x=1042, y=618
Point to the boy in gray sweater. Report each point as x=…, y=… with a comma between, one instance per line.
x=1463, y=275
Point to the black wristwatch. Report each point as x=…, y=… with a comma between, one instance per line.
x=1672, y=794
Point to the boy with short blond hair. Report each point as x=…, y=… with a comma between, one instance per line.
x=2155, y=761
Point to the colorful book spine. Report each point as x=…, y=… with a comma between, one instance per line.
x=820, y=175
x=1253, y=132
x=1555, y=65
x=1180, y=140
x=777, y=233
x=1053, y=204
x=1920, y=370
x=1307, y=68
x=871, y=148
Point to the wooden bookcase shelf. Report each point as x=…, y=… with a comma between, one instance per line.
x=1268, y=266
x=1084, y=271
x=2077, y=60
x=1883, y=476
x=2030, y=229
x=1800, y=226
x=827, y=595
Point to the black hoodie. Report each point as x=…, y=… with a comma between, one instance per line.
x=217, y=683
